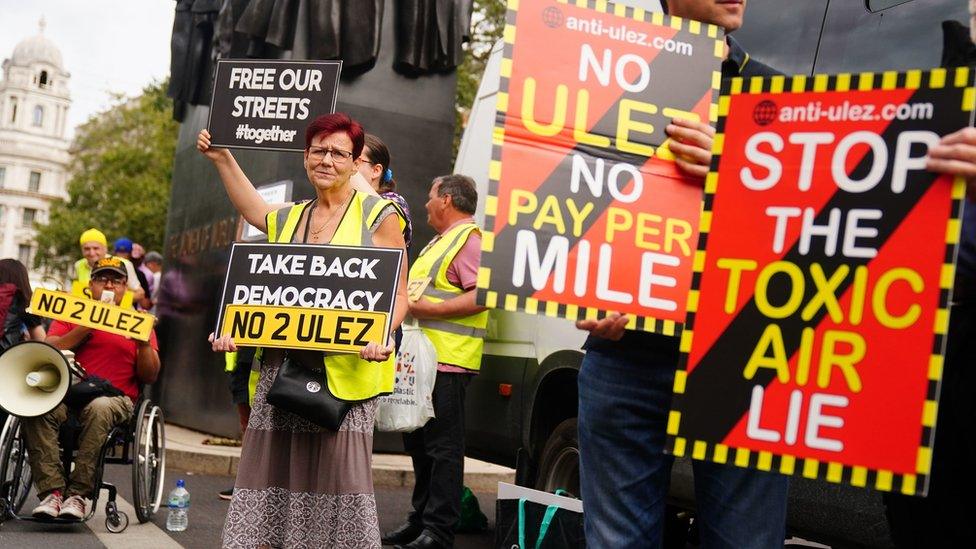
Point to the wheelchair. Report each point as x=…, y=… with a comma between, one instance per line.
x=139, y=443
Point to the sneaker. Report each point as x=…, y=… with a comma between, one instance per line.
x=227, y=494
x=50, y=506
x=74, y=507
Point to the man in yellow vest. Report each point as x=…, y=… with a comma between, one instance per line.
x=447, y=271
x=94, y=246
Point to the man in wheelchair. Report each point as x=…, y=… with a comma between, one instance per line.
x=124, y=363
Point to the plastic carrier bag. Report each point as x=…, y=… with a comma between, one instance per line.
x=410, y=405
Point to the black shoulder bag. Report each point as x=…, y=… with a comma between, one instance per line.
x=302, y=389
x=301, y=386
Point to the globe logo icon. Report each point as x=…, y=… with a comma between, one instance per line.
x=765, y=113
x=552, y=17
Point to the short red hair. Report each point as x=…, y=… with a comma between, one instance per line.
x=335, y=123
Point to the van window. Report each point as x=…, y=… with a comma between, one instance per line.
x=902, y=37
x=783, y=33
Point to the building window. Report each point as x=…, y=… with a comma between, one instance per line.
x=38, y=116
x=43, y=79
x=13, y=110
x=24, y=254
x=3, y=175
x=29, y=215
x=34, y=185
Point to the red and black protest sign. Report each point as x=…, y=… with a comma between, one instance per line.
x=309, y=296
x=817, y=321
x=266, y=105
x=587, y=211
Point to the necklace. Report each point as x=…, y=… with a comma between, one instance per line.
x=315, y=232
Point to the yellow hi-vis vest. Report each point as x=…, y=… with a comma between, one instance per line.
x=459, y=340
x=83, y=270
x=349, y=377
x=230, y=363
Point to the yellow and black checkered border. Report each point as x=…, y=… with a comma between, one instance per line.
x=555, y=309
x=515, y=302
x=859, y=476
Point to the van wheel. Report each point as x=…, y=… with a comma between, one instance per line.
x=559, y=464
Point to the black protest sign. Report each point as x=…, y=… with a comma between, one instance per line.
x=306, y=296
x=267, y=104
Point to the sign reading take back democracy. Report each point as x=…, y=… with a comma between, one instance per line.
x=267, y=104
x=306, y=296
x=587, y=211
x=816, y=327
x=84, y=311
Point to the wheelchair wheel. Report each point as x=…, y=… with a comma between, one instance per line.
x=115, y=521
x=15, y=473
x=148, y=461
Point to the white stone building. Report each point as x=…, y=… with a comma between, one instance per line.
x=34, y=157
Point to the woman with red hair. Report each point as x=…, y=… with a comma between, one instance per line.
x=299, y=484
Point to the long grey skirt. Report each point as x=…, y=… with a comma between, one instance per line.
x=301, y=485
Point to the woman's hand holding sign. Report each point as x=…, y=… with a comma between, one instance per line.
x=213, y=154
x=376, y=352
x=223, y=344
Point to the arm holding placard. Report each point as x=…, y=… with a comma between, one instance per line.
x=147, y=362
x=388, y=235
x=241, y=191
x=70, y=340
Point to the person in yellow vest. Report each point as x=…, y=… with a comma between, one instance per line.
x=308, y=482
x=447, y=270
x=94, y=246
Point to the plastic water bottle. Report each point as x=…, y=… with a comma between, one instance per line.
x=179, y=504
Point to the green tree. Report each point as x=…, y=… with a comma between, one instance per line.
x=122, y=165
x=487, y=24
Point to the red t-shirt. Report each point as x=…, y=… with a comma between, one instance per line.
x=108, y=356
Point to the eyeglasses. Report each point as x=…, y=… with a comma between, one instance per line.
x=318, y=154
x=104, y=280
x=364, y=158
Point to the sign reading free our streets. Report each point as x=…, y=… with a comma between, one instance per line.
x=260, y=104
x=306, y=296
x=817, y=321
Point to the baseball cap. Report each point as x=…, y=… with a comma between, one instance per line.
x=93, y=235
x=153, y=257
x=109, y=264
x=123, y=245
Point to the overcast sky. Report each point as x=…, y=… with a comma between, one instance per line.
x=107, y=45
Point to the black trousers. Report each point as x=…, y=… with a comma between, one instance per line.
x=945, y=517
x=437, y=450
